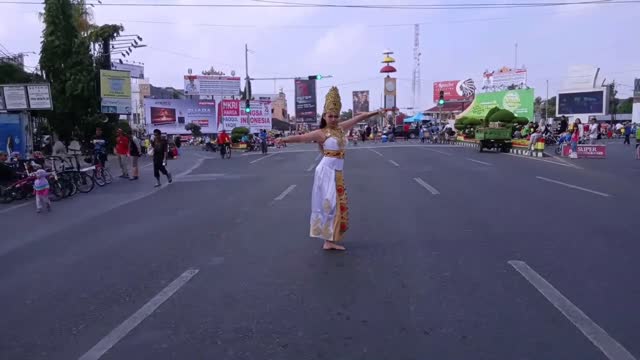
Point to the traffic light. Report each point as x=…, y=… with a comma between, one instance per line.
x=441, y=101
x=315, y=77
x=247, y=106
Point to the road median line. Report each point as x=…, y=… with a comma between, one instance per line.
x=573, y=186
x=429, y=188
x=285, y=193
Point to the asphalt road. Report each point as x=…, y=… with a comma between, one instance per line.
x=452, y=254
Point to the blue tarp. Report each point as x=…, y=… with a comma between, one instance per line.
x=416, y=118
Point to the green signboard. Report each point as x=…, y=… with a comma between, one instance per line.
x=519, y=102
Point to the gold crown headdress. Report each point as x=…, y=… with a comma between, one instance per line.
x=332, y=103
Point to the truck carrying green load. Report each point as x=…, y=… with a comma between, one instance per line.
x=498, y=138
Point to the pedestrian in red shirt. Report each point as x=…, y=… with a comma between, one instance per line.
x=122, y=150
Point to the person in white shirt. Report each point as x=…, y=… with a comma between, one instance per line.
x=593, y=132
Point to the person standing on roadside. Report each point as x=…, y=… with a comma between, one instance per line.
x=122, y=151
x=134, y=151
x=593, y=132
x=375, y=133
x=263, y=141
x=627, y=133
x=160, y=150
x=575, y=138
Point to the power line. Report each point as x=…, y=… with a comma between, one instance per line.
x=262, y=4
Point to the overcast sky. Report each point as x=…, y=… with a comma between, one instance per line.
x=347, y=43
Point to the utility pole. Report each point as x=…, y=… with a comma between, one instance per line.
x=546, y=106
x=516, y=62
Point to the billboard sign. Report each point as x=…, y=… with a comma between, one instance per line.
x=232, y=115
x=306, y=103
x=2, y=105
x=115, y=106
x=211, y=85
x=588, y=102
x=135, y=71
x=360, y=102
x=15, y=97
x=39, y=97
x=636, y=88
x=145, y=90
x=454, y=90
x=115, y=84
x=171, y=115
x=519, y=102
x=503, y=78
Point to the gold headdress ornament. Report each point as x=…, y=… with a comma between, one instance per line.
x=332, y=103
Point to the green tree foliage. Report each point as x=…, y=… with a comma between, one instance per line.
x=194, y=128
x=625, y=106
x=12, y=74
x=491, y=112
x=472, y=122
x=503, y=116
x=345, y=115
x=66, y=61
x=238, y=133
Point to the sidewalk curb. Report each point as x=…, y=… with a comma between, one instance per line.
x=534, y=153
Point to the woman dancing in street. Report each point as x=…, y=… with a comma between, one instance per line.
x=329, y=211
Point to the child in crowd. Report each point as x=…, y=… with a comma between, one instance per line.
x=41, y=188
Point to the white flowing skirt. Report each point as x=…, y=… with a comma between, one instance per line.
x=329, y=210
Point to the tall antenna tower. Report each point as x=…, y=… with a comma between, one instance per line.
x=416, y=82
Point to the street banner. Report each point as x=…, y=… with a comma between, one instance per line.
x=454, y=90
x=135, y=71
x=360, y=102
x=232, y=115
x=520, y=102
x=211, y=85
x=115, y=84
x=171, y=115
x=15, y=97
x=306, y=104
x=115, y=106
x=587, y=151
x=503, y=78
x=145, y=90
x=39, y=97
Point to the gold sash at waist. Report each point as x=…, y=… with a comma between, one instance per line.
x=334, y=153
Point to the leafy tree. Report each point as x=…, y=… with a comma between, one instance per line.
x=66, y=62
x=345, y=115
x=625, y=106
x=194, y=128
x=11, y=73
x=521, y=121
x=472, y=122
x=238, y=133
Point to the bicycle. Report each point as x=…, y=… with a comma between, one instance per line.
x=63, y=178
x=101, y=175
x=225, y=151
x=84, y=182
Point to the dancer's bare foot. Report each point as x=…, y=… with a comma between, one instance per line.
x=328, y=245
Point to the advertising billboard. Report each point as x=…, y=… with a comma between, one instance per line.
x=211, y=85
x=503, y=78
x=171, y=115
x=360, y=101
x=135, y=71
x=306, y=103
x=25, y=97
x=520, y=102
x=588, y=102
x=232, y=115
x=115, y=84
x=454, y=90
x=15, y=97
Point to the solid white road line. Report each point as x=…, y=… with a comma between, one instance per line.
x=377, y=152
x=438, y=151
x=573, y=186
x=262, y=158
x=479, y=162
x=394, y=163
x=189, y=170
x=430, y=188
x=610, y=347
x=134, y=320
x=538, y=159
x=311, y=167
x=285, y=193
x=10, y=208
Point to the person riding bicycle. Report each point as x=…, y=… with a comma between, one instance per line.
x=224, y=141
x=99, y=148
